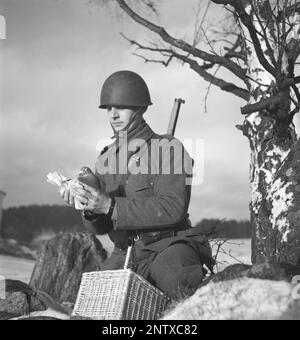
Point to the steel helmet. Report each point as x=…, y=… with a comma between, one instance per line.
x=124, y=88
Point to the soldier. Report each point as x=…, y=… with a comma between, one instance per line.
x=142, y=193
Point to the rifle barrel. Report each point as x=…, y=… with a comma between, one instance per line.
x=174, y=116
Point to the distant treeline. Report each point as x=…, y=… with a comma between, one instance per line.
x=215, y=228
x=25, y=223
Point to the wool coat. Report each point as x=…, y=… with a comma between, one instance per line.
x=151, y=186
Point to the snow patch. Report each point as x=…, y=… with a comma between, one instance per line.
x=281, y=202
x=278, y=156
x=256, y=196
x=295, y=22
x=269, y=175
x=278, y=152
x=248, y=9
x=254, y=119
x=289, y=172
x=256, y=71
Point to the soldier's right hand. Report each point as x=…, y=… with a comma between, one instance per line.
x=67, y=196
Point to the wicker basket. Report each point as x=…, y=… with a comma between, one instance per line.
x=118, y=295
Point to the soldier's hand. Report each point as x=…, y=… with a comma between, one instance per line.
x=67, y=195
x=95, y=200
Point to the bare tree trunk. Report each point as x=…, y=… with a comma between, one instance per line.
x=274, y=207
x=275, y=198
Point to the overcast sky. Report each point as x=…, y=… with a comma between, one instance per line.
x=55, y=58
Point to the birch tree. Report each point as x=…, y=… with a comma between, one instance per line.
x=262, y=54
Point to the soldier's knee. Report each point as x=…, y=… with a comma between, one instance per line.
x=177, y=283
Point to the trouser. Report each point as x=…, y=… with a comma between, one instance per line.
x=176, y=270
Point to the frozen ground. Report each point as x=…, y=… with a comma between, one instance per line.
x=16, y=268
x=231, y=252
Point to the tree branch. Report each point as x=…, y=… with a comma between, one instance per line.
x=246, y=19
x=146, y=60
x=297, y=94
x=233, y=54
x=295, y=8
x=223, y=85
x=182, y=45
x=269, y=103
x=268, y=17
x=201, y=70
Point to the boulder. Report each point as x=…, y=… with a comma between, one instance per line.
x=17, y=304
x=264, y=271
x=240, y=299
x=274, y=271
x=62, y=261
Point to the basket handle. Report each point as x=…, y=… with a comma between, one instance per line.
x=128, y=253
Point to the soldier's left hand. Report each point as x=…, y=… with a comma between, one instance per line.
x=95, y=200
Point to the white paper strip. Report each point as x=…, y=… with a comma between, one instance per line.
x=65, y=183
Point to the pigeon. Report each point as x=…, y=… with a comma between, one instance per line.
x=87, y=177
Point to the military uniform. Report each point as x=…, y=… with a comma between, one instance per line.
x=152, y=207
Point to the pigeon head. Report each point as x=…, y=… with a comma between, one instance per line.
x=84, y=171
x=86, y=176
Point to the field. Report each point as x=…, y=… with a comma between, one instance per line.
x=16, y=268
x=231, y=252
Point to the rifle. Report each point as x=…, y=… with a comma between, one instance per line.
x=174, y=116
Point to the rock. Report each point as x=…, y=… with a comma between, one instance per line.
x=264, y=271
x=62, y=261
x=16, y=304
x=48, y=314
x=39, y=318
x=240, y=299
x=80, y=318
x=10, y=247
x=232, y=272
x=274, y=271
x=22, y=300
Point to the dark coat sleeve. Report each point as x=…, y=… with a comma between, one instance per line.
x=99, y=224
x=168, y=204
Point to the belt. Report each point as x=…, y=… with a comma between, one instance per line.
x=154, y=236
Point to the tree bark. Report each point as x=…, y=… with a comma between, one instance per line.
x=62, y=261
x=274, y=206
x=276, y=214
